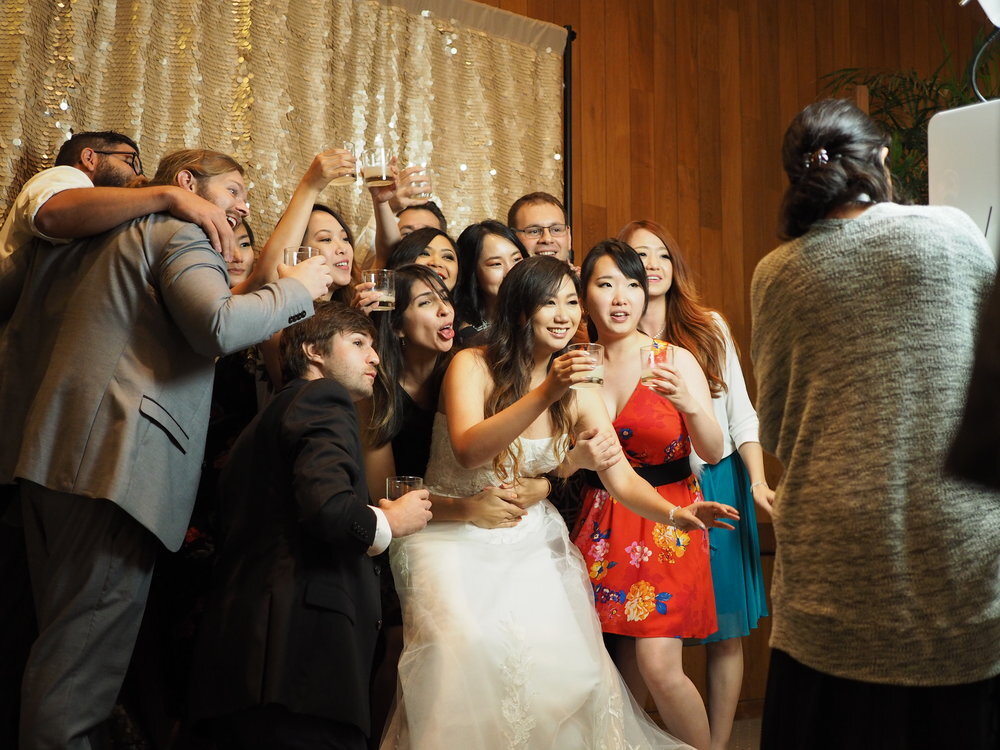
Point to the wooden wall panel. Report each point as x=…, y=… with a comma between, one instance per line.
x=617, y=60
x=679, y=108
x=663, y=190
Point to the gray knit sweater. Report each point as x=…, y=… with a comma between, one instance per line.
x=886, y=570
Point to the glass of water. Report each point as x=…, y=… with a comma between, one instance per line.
x=594, y=378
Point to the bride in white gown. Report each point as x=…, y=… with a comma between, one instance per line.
x=503, y=648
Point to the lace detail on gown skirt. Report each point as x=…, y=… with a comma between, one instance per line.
x=503, y=649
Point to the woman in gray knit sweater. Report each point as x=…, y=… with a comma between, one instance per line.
x=886, y=589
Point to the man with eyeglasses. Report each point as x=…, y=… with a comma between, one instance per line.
x=84, y=195
x=86, y=160
x=108, y=368
x=539, y=220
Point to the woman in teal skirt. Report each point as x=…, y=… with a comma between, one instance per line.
x=675, y=314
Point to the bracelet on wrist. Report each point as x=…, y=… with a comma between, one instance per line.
x=758, y=484
x=670, y=517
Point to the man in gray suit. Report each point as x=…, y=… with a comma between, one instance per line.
x=83, y=195
x=105, y=393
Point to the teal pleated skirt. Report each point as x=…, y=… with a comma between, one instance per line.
x=737, y=576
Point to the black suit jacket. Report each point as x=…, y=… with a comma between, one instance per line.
x=295, y=609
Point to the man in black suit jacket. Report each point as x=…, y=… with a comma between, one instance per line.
x=286, y=646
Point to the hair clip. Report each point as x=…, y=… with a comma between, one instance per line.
x=816, y=158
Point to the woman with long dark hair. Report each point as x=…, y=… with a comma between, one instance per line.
x=486, y=251
x=675, y=314
x=661, y=574
x=414, y=342
x=502, y=643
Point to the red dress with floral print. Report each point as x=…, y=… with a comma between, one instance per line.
x=650, y=580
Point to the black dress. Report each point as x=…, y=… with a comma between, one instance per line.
x=411, y=450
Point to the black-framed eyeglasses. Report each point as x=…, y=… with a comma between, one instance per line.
x=534, y=232
x=130, y=157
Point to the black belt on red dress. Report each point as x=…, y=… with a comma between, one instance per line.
x=668, y=473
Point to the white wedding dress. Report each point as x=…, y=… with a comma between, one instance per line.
x=503, y=648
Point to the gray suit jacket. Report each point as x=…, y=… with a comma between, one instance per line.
x=106, y=366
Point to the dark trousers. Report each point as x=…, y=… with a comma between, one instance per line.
x=17, y=621
x=274, y=727
x=90, y=565
x=804, y=708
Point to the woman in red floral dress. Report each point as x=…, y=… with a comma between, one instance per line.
x=652, y=582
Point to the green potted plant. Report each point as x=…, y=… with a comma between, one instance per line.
x=903, y=102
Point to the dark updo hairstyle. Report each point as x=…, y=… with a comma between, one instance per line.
x=387, y=401
x=628, y=262
x=832, y=155
x=408, y=249
x=509, y=352
x=471, y=308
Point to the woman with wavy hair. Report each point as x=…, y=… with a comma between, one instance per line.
x=414, y=342
x=675, y=314
x=502, y=643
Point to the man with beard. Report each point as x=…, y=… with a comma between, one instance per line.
x=60, y=204
x=53, y=206
x=114, y=341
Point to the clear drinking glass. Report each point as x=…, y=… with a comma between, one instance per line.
x=347, y=179
x=375, y=166
x=385, y=284
x=654, y=357
x=396, y=487
x=295, y=255
x=595, y=378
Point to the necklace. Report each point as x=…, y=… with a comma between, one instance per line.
x=659, y=334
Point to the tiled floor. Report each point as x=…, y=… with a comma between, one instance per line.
x=746, y=735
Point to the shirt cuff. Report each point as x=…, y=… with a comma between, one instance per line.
x=383, y=533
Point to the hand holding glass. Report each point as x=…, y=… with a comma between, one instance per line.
x=375, y=167
x=418, y=180
x=347, y=179
x=385, y=284
x=595, y=377
x=654, y=357
x=396, y=487
x=295, y=255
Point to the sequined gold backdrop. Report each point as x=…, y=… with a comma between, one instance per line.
x=274, y=81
